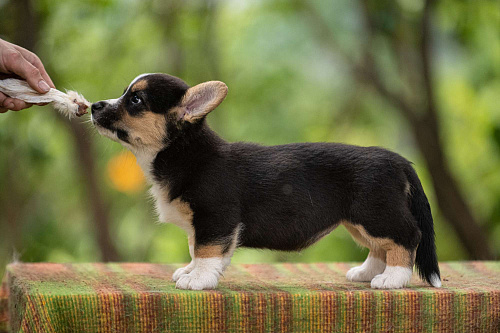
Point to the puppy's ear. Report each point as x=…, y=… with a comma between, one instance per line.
x=201, y=99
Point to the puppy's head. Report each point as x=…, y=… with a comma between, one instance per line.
x=151, y=106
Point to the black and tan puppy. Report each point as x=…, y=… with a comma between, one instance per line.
x=226, y=195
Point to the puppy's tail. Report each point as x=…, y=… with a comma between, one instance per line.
x=426, y=258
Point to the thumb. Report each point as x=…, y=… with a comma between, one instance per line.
x=30, y=73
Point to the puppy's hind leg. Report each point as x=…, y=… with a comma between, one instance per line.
x=399, y=269
x=400, y=259
x=374, y=263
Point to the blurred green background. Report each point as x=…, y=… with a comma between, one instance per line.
x=417, y=77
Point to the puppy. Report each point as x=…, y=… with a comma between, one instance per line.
x=286, y=197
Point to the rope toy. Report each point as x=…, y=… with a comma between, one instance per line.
x=70, y=103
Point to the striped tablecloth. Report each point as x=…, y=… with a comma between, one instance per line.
x=138, y=297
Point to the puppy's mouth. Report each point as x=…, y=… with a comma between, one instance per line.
x=101, y=128
x=112, y=132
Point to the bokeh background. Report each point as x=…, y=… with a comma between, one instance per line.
x=418, y=77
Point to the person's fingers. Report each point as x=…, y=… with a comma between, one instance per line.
x=15, y=104
x=38, y=64
x=26, y=105
x=47, y=79
x=8, y=103
x=16, y=63
x=20, y=105
x=2, y=98
x=35, y=61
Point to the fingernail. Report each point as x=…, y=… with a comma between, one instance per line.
x=43, y=85
x=10, y=106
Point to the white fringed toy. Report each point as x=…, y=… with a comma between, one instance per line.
x=69, y=104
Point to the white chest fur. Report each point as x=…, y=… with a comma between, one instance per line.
x=176, y=211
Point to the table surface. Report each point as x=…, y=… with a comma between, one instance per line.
x=293, y=292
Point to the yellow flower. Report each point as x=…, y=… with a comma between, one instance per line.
x=124, y=173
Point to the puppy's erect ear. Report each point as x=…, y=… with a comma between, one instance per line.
x=202, y=99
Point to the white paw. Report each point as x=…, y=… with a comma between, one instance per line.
x=394, y=277
x=183, y=270
x=366, y=272
x=205, y=275
x=360, y=274
x=198, y=280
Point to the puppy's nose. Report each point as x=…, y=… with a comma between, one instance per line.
x=98, y=106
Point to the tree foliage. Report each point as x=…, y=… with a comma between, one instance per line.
x=286, y=84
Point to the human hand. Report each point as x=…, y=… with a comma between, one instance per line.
x=16, y=61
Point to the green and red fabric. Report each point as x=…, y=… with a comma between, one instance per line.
x=130, y=297
x=4, y=306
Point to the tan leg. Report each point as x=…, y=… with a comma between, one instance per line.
x=399, y=263
x=374, y=263
x=399, y=269
x=210, y=261
x=208, y=267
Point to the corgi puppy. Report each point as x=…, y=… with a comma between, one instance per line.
x=286, y=197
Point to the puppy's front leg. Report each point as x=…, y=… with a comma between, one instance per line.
x=187, y=269
x=209, y=262
x=208, y=267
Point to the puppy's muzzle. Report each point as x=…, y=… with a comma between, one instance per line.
x=98, y=106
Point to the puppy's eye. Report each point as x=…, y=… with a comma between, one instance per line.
x=135, y=99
